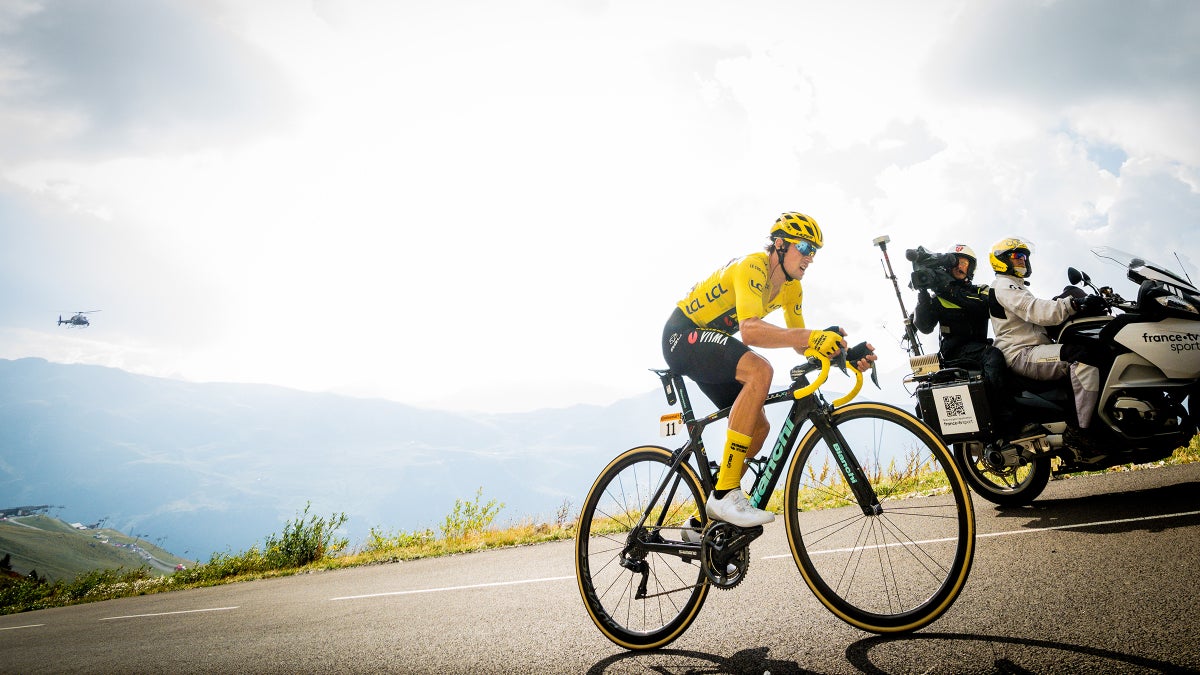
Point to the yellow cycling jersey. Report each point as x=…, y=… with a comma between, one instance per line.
x=734, y=293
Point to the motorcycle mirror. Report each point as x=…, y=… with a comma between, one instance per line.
x=1074, y=276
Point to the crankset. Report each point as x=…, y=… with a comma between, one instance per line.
x=725, y=553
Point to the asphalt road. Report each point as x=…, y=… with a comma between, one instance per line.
x=1099, y=575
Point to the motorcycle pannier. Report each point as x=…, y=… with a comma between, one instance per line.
x=957, y=409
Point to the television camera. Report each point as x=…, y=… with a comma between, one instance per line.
x=931, y=271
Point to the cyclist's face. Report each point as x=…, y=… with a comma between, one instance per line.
x=796, y=262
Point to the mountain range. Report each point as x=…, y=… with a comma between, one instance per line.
x=201, y=468
x=211, y=467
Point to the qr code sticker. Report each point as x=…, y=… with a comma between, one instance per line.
x=953, y=405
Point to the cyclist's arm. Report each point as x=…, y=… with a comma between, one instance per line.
x=759, y=333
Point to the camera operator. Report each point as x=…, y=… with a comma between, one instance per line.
x=947, y=296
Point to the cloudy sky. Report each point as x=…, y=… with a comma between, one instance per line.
x=494, y=205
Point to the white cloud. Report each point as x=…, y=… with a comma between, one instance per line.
x=498, y=204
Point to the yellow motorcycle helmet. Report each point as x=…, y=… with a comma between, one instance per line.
x=1002, y=253
x=794, y=227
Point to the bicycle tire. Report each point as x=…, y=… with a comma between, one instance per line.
x=901, y=569
x=607, y=534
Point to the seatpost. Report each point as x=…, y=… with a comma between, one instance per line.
x=910, y=333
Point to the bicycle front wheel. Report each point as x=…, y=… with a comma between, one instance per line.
x=889, y=571
x=643, y=585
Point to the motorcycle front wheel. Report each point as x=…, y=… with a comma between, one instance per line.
x=1006, y=486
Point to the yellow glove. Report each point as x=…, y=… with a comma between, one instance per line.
x=826, y=342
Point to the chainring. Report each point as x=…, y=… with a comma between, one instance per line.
x=724, y=567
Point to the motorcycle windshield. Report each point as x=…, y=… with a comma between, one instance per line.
x=1139, y=267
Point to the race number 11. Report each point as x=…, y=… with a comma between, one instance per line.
x=668, y=425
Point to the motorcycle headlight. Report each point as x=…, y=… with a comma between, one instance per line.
x=1173, y=302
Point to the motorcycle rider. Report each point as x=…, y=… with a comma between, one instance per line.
x=1019, y=321
x=961, y=308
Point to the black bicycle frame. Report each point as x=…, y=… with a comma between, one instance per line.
x=810, y=407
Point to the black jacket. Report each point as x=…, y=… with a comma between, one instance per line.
x=962, y=310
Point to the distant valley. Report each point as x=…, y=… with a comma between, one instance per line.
x=217, y=467
x=46, y=546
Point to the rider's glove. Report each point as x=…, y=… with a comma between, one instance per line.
x=858, y=352
x=1090, y=305
x=827, y=342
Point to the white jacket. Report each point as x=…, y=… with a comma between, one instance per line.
x=1025, y=315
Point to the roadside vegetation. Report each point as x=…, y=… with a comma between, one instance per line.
x=310, y=543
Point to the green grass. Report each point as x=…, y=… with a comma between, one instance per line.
x=309, y=543
x=55, y=550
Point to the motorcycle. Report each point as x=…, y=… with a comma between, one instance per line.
x=1144, y=411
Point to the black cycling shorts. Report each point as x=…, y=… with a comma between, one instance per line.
x=706, y=355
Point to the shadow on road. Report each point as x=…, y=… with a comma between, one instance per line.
x=1125, y=507
x=913, y=653
x=992, y=654
x=753, y=661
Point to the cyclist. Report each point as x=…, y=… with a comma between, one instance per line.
x=961, y=308
x=1019, y=320
x=699, y=342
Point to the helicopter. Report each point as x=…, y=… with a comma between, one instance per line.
x=79, y=320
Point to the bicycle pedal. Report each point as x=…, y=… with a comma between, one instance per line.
x=748, y=533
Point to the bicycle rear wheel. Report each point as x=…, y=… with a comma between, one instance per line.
x=897, y=570
x=642, y=586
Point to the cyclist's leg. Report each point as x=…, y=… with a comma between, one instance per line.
x=729, y=374
x=748, y=426
x=745, y=436
x=761, y=430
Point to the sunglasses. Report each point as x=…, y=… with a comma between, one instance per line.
x=806, y=247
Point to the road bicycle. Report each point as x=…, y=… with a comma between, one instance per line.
x=878, y=518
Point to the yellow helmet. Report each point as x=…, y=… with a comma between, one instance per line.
x=1002, y=253
x=793, y=227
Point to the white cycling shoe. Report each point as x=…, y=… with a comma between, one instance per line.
x=735, y=509
x=690, y=533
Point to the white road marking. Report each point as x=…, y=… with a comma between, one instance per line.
x=32, y=625
x=186, y=611
x=453, y=588
x=1013, y=532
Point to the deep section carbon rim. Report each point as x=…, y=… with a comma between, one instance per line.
x=902, y=568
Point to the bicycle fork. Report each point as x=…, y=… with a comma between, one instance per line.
x=848, y=464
